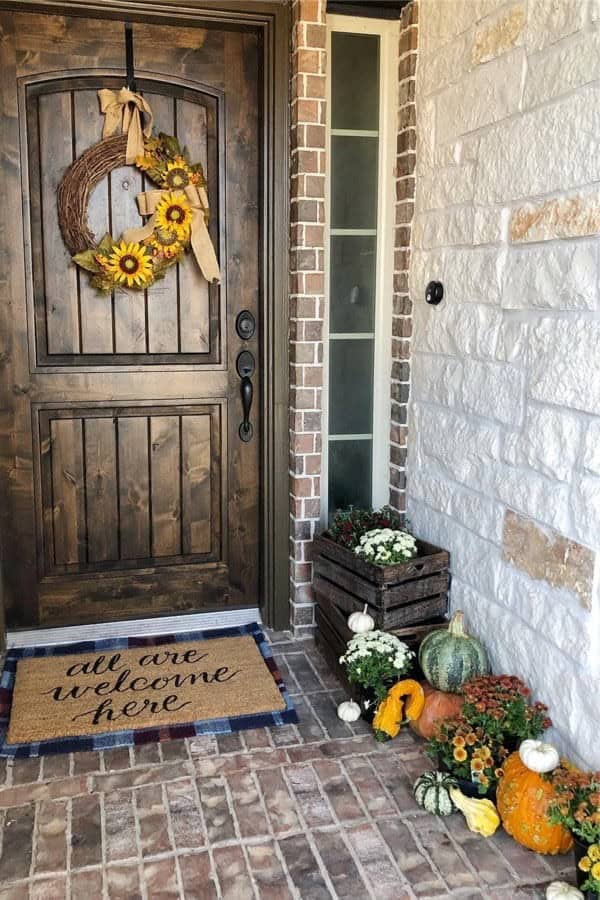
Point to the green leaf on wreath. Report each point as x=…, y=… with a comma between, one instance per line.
x=87, y=260
x=106, y=244
x=171, y=144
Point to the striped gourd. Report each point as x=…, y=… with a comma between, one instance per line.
x=449, y=658
x=432, y=792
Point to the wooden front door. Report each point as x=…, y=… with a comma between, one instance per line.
x=127, y=489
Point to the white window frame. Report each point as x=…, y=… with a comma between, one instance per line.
x=389, y=34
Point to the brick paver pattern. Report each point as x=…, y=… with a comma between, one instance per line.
x=311, y=811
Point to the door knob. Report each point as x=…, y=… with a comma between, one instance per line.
x=245, y=366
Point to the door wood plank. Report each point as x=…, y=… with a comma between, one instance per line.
x=96, y=308
x=60, y=275
x=68, y=491
x=165, y=485
x=134, y=491
x=162, y=299
x=101, y=489
x=196, y=484
x=130, y=306
x=194, y=292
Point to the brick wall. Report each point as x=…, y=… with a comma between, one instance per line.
x=307, y=285
x=402, y=309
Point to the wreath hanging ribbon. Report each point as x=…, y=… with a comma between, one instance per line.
x=123, y=111
x=178, y=209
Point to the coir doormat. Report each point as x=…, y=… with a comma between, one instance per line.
x=109, y=693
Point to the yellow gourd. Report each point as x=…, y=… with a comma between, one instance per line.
x=481, y=815
x=405, y=699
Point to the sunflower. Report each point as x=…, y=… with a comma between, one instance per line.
x=145, y=162
x=165, y=242
x=129, y=264
x=173, y=213
x=460, y=754
x=178, y=174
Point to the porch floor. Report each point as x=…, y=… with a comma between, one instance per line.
x=310, y=811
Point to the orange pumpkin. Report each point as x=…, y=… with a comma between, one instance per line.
x=523, y=798
x=439, y=705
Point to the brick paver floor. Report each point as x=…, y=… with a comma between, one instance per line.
x=311, y=811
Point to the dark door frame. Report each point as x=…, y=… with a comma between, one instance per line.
x=271, y=18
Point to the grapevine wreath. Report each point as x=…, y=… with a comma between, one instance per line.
x=178, y=210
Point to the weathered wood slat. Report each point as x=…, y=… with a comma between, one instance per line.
x=68, y=491
x=194, y=310
x=196, y=481
x=102, y=507
x=134, y=487
x=346, y=579
x=165, y=482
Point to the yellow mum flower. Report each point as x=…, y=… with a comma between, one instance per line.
x=596, y=871
x=165, y=242
x=173, y=213
x=458, y=741
x=594, y=852
x=585, y=864
x=129, y=264
x=460, y=754
x=477, y=765
x=178, y=174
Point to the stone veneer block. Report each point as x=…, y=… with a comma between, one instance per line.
x=546, y=555
x=495, y=39
x=569, y=217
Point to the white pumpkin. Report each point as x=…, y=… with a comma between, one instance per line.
x=539, y=756
x=348, y=711
x=560, y=890
x=361, y=622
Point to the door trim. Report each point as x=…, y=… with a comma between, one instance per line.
x=271, y=18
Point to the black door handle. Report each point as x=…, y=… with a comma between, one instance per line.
x=245, y=368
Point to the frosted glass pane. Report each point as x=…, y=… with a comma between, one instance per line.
x=350, y=466
x=352, y=283
x=355, y=81
x=353, y=182
x=350, y=386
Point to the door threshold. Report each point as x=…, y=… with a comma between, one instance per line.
x=133, y=628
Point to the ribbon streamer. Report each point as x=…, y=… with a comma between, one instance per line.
x=199, y=237
x=124, y=111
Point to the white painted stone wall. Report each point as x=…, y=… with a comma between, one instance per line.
x=505, y=394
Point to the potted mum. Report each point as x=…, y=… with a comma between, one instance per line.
x=374, y=661
x=495, y=717
x=577, y=807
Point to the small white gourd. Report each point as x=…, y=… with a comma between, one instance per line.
x=361, y=622
x=539, y=756
x=348, y=711
x=560, y=890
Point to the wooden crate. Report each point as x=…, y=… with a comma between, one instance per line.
x=332, y=639
x=397, y=596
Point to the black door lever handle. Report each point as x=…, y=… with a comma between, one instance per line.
x=245, y=368
x=247, y=393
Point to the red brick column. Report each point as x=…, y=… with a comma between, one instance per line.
x=405, y=192
x=307, y=287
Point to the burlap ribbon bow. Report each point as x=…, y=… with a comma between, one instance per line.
x=199, y=237
x=124, y=111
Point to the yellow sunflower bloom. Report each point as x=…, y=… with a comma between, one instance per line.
x=129, y=264
x=178, y=174
x=460, y=754
x=596, y=871
x=585, y=864
x=173, y=213
x=594, y=852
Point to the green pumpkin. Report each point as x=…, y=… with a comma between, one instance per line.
x=432, y=792
x=449, y=658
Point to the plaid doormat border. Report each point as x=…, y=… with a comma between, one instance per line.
x=135, y=737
